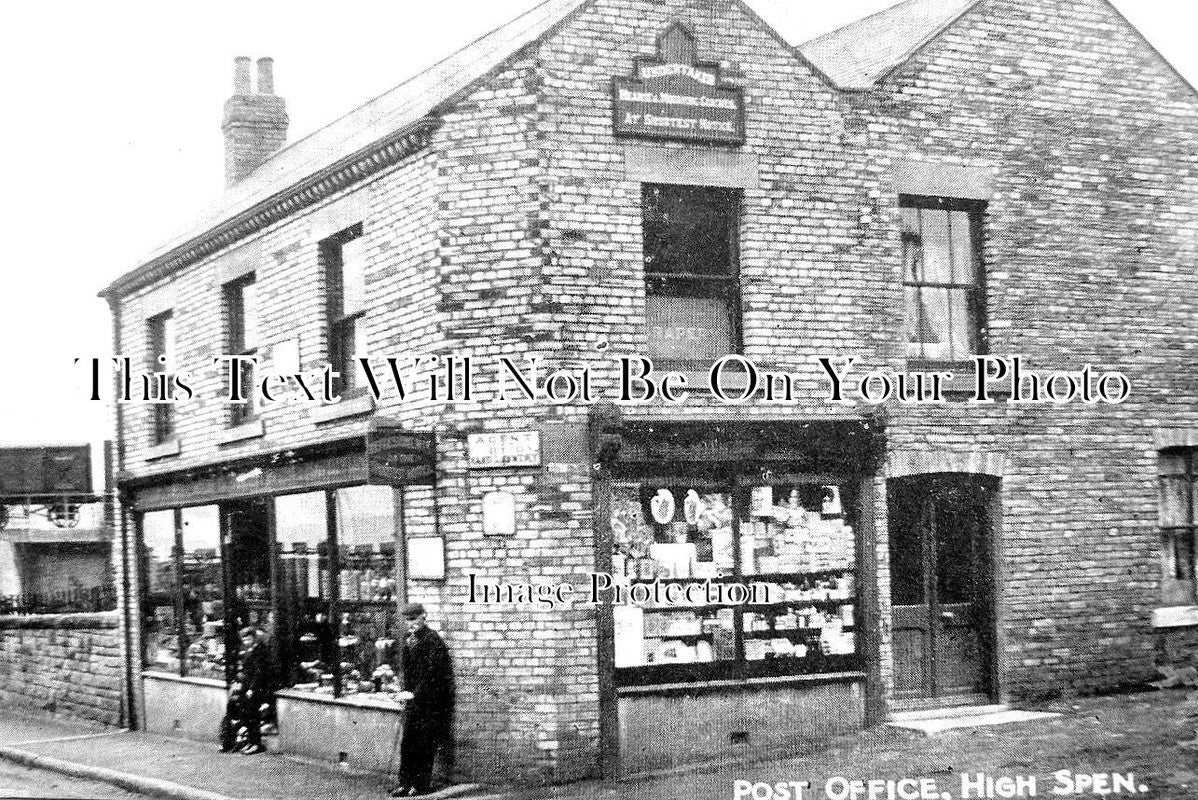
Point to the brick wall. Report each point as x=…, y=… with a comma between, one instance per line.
x=64, y=664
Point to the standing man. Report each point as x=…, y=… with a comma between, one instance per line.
x=428, y=716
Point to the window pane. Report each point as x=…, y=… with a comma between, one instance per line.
x=301, y=528
x=964, y=326
x=937, y=257
x=366, y=546
x=688, y=229
x=1172, y=464
x=161, y=643
x=1182, y=544
x=688, y=328
x=202, y=583
x=1174, y=502
x=912, y=249
x=249, y=316
x=796, y=540
x=964, y=255
x=931, y=322
x=353, y=276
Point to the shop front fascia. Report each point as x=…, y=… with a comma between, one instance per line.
x=769, y=525
x=308, y=544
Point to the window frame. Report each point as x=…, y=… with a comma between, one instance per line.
x=343, y=328
x=724, y=286
x=236, y=315
x=161, y=341
x=976, y=293
x=1178, y=590
x=738, y=483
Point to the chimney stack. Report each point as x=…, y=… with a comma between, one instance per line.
x=255, y=124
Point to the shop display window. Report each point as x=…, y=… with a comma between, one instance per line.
x=160, y=582
x=315, y=571
x=366, y=629
x=792, y=544
x=302, y=533
x=202, y=591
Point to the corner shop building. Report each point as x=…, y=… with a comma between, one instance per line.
x=675, y=179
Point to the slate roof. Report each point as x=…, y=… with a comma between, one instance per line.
x=859, y=54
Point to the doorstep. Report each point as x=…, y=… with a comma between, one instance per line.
x=933, y=721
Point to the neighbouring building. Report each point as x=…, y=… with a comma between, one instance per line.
x=674, y=179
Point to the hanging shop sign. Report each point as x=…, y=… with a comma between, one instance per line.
x=676, y=97
x=506, y=449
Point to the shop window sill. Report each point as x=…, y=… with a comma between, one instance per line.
x=707, y=687
x=254, y=429
x=170, y=447
x=348, y=407
x=352, y=701
x=1175, y=617
x=168, y=677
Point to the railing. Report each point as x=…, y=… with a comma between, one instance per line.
x=66, y=601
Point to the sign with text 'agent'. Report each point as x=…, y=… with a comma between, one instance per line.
x=678, y=97
x=507, y=449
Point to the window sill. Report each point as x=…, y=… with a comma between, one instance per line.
x=254, y=429
x=352, y=407
x=170, y=447
x=1175, y=617
x=352, y=701
x=700, y=687
x=213, y=683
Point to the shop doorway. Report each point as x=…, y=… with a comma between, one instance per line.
x=248, y=573
x=941, y=584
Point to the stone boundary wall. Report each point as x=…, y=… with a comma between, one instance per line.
x=63, y=664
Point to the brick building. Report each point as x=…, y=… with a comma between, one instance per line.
x=606, y=178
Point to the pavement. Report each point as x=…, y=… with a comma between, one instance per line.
x=175, y=769
x=1148, y=739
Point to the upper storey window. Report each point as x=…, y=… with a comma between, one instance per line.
x=241, y=308
x=943, y=278
x=161, y=334
x=1178, y=473
x=691, y=285
x=345, y=265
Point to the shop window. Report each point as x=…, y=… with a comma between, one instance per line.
x=943, y=278
x=344, y=260
x=366, y=588
x=692, y=295
x=201, y=582
x=241, y=310
x=791, y=544
x=302, y=530
x=160, y=584
x=161, y=334
x=1178, y=472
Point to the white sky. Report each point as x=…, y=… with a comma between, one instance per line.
x=112, y=140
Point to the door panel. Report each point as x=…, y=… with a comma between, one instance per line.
x=938, y=570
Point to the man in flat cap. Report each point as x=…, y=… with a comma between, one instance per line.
x=428, y=717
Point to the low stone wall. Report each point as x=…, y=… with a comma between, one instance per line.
x=63, y=664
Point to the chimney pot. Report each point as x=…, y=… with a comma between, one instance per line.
x=266, y=76
x=255, y=125
x=241, y=75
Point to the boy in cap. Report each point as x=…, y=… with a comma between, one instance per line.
x=428, y=716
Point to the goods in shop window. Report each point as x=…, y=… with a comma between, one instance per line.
x=831, y=502
x=761, y=501
x=692, y=506
x=674, y=652
x=663, y=506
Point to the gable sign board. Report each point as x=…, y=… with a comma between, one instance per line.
x=676, y=97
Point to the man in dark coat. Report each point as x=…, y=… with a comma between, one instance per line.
x=428, y=716
x=251, y=697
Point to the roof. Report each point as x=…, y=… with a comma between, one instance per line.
x=852, y=57
x=861, y=53
x=395, y=110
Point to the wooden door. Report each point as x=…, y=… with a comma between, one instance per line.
x=940, y=599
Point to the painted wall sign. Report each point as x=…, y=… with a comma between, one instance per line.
x=678, y=97
x=507, y=449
